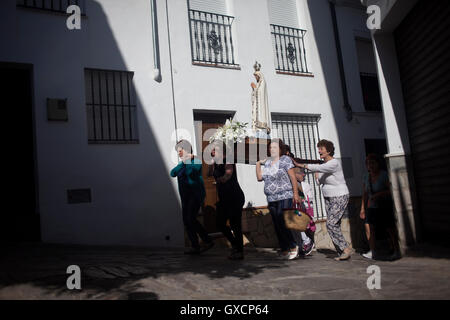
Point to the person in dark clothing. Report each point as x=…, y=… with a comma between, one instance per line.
x=192, y=194
x=377, y=207
x=231, y=200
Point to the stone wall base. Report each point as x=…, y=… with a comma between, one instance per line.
x=258, y=227
x=323, y=240
x=259, y=232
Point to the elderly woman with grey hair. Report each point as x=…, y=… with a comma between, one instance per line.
x=336, y=194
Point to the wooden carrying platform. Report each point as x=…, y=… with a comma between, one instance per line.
x=254, y=149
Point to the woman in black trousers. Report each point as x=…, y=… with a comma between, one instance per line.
x=231, y=200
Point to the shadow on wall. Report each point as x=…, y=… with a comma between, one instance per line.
x=357, y=231
x=404, y=178
x=134, y=201
x=328, y=55
x=326, y=48
x=151, y=205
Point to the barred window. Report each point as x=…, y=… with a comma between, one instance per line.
x=301, y=133
x=52, y=5
x=110, y=106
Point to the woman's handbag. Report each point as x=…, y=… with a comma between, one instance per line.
x=296, y=219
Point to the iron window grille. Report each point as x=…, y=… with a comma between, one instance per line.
x=301, y=133
x=211, y=39
x=110, y=106
x=370, y=91
x=290, y=52
x=58, y=6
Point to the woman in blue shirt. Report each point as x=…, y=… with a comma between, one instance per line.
x=192, y=194
x=377, y=207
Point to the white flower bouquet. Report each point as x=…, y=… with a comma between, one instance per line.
x=234, y=131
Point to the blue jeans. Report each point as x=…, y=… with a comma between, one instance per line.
x=287, y=238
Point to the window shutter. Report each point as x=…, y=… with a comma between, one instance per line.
x=213, y=6
x=283, y=13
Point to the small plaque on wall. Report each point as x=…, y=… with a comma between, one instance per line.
x=78, y=196
x=57, y=109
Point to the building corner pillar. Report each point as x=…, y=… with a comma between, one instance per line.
x=405, y=203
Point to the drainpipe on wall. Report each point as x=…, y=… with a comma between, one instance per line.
x=171, y=72
x=347, y=106
x=156, y=59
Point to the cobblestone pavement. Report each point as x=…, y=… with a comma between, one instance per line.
x=38, y=271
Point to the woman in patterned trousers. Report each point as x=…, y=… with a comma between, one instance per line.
x=335, y=192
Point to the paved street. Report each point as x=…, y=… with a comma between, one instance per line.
x=39, y=272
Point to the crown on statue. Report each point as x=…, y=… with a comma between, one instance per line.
x=257, y=66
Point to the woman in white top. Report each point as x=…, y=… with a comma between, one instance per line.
x=335, y=192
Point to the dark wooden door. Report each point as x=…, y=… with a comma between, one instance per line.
x=209, y=209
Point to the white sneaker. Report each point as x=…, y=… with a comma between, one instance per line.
x=292, y=254
x=368, y=255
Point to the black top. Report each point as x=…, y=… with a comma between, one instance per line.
x=230, y=190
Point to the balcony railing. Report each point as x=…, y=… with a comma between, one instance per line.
x=58, y=6
x=289, y=47
x=211, y=39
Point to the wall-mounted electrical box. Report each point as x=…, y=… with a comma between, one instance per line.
x=79, y=196
x=57, y=110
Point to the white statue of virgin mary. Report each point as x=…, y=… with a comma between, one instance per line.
x=260, y=103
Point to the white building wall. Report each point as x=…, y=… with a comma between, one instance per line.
x=365, y=125
x=134, y=201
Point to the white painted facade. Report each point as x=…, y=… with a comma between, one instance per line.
x=134, y=201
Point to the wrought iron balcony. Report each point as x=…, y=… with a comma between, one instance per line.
x=211, y=39
x=289, y=47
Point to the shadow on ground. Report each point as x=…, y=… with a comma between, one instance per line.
x=106, y=268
